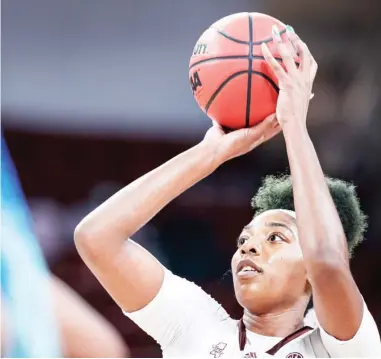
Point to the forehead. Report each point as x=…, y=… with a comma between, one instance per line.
x=279, y=216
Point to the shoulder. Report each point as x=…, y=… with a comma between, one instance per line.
x=183, y=318
x=365, y=343
x=180, y=295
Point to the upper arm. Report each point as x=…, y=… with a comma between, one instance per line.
x=128, y=272
x=182, y=317
x=337, y=301
x=170, y=309
x=365, y=343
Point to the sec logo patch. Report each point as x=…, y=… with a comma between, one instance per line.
x=294, y=355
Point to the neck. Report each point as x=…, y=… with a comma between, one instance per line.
x=275, y=324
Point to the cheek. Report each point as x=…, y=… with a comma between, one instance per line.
x=288, y=261
x=290, y=253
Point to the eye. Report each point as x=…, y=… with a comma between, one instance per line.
x=241, y=241
x=275, y=238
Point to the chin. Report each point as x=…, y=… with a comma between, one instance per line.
x=248, y=294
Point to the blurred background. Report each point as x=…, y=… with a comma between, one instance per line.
x=96, y=93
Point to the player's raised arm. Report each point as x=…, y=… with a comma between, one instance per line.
x=128, y=272
x=337, y=300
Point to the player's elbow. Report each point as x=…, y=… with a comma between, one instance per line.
x=327, y=252
x=85, y=239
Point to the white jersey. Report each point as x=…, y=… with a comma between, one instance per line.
x=187, y=322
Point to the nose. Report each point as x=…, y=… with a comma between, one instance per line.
x=251, y=247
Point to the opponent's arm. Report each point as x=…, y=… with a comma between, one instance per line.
x=337, y=300
x=128, y=272
x=84, y=333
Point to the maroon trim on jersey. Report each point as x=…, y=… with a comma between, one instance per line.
x=288, y=339
x=241, y=335
x=243, y=339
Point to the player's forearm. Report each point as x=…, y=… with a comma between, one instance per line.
x=321, y=233
x=132, y=207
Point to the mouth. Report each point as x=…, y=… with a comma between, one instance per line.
x=246, y=268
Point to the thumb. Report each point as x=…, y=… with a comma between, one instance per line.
x=265, y=130
x=269, y=121
x=257, y=132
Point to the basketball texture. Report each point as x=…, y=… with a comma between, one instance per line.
x=230, y=80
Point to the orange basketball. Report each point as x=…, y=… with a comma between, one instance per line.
x=229, y=77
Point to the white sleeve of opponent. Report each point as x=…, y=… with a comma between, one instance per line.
x=365, y=344
x=179, y=314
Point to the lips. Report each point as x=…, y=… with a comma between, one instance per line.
x=247, y=268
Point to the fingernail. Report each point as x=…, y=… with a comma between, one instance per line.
x=290, y=29
x=289, y=32
x=276, y=34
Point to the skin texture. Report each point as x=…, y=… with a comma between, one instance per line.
x=281, y=289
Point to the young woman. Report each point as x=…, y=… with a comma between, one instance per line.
x=294, y=249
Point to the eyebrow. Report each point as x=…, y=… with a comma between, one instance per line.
x=271, y=224
x=276, y=224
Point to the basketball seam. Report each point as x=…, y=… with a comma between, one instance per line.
x=222, y=85
x=269, y=79
x=232, y=57
x=227, y=36
x=249, y=75
x=250, y=71
x=232, y=76
x=224, y=34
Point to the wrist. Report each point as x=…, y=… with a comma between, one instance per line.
x=210, y=154
x=294, y=128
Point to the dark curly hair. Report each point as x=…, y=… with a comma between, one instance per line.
x=276, y=193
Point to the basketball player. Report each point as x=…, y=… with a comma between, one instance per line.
x=294, y=249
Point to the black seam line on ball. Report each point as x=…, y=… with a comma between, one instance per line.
x=221, y=87
x=249, y=75
x=232, y=57
x=212, y=98
x=266, y=40
x=269, y=79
